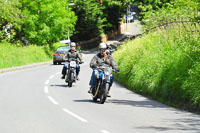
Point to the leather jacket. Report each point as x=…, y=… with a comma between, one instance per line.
x=75, y=55
x=99, y=60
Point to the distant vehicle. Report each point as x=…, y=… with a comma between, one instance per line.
x=58, y=56
x=129, y=18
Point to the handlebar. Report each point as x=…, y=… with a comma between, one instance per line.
x=100, y=67
x=72, y=59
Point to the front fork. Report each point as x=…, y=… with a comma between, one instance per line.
x=68, y=73
x=101, y=84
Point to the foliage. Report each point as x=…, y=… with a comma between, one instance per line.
x=113, y=12
x=90, y=19
x=97, y=17
x=13, y=55
x=176, y=10
x=46, y=22
x=10, y=19
x=163, y=65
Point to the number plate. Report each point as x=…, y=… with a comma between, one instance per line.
x=72, y=63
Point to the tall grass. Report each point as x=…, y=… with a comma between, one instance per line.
x=12, y=55
x=164, y=65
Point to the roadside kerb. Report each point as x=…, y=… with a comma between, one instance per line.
x=24, y=67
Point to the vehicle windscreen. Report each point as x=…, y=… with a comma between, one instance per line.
x=63, y=48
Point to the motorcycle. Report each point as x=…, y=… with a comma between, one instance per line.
x=71, y=71
x=102, y=84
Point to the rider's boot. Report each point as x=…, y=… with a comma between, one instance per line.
x=108, y=95
x=63, y=77
x=77, y=78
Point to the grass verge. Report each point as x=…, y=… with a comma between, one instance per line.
x=164, y=66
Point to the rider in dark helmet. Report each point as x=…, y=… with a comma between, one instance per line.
x=102, y=58
x=72, y=53
x=109, y=48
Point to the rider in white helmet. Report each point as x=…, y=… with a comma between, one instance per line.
x=72, y=53
x=102, y=58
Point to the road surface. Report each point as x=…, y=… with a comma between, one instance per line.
x=36, y=100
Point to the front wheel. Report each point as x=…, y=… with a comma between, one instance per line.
x=70, y=81
x=104, y=93
x=95, y=92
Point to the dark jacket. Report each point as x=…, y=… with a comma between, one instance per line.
x=99, y=60
x=74, y=55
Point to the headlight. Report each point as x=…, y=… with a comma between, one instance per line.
x=108, y=71
x=73, y=64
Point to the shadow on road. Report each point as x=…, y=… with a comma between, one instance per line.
x=190, y=124
x=144, y=103
x=60, y=85
x=86, y=101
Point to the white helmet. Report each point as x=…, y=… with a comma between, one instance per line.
x=102, y=46
x=73, y=44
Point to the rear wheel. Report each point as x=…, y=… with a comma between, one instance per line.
x=104, y=92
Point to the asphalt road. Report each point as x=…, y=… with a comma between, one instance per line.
x=36, y=100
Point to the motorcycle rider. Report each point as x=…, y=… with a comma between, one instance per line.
x=104, y=59
x=71, y=54
x=109, y=48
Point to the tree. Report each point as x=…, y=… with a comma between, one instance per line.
x=90, y=19
x=10, y=19
x=174, y=11
x=47, y=21
x=113, y=11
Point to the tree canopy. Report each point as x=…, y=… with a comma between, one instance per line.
x=40, y=22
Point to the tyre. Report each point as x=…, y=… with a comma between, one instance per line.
x=59, y=63
x=94, y=99
x=104, y=92
x=70, y=79
x=95, y=92
x=69, y=83
x=54, y=62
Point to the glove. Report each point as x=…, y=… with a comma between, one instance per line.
x=81, y=62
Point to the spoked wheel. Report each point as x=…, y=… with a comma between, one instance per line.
x=70, y=79
x=95, y=92
x=94, y=99
x=104, y=92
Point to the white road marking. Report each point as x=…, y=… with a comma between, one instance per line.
x=51, y=77
x=46, y=89
x=47, y=82
x=74, y=115
x=104, y=131
x=52, y=100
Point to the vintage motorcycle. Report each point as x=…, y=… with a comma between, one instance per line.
x=71, y=71
x=102, y=84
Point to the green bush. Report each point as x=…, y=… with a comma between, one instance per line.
x=163, y=65
x=13, y=55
